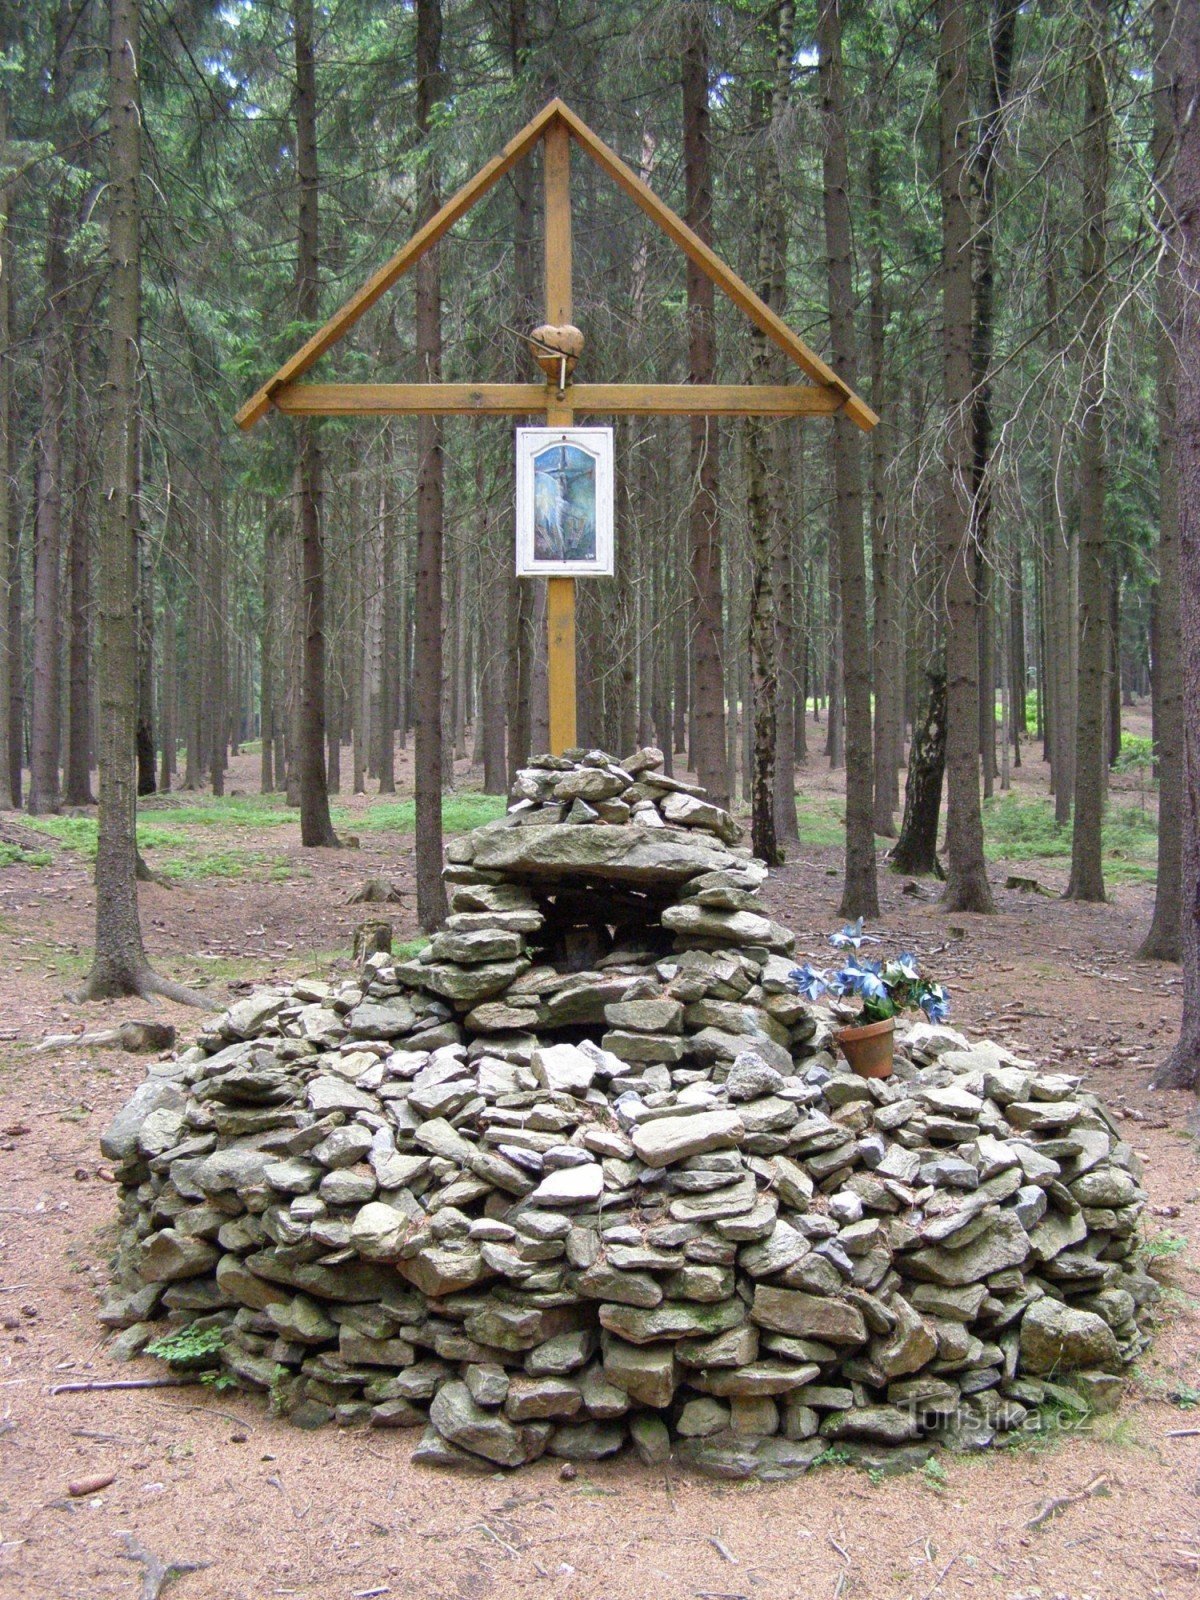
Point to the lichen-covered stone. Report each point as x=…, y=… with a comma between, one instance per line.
x=1061, y=1338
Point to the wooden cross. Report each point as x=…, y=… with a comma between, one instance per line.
x=556, y=127
x=560, y=592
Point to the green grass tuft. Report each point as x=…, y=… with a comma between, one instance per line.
x=15, y=855
x=461, y=812
x=1019, y=829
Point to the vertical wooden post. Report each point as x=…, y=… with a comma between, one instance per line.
x=560, y=592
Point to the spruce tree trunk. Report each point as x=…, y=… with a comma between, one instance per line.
x=79, y=677
x=1162, y=942
x=967, y=887
x=427, y=664
x=144, y=623
x=267, y=646
x=1017, y=674
x=54, y=356
x=166, y=720
x=786, y=826
x=763, y=501
x=119, y=965
x=385, y=760
x=216, y=697
x=886, y=660
x=7, y=520
x=997, y=87
x=192, y=633
x=704, y=533
x=860, y=894
x=316, y=828
x=47, y=597
x=15, y=652
x=1181, y=1070
x=835, y=703
x=916, y=848
x=1087, y=871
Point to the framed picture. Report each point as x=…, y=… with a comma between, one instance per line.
x=564, y=502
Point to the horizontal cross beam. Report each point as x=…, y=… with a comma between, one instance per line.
x=527, y=399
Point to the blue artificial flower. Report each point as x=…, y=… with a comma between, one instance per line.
x=871, y=986
x=935, y=1003
x=850, y=937
x=906, y=965
x=808, y=981
x=857, y=978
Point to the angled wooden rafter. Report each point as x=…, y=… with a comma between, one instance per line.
x=829, y=394
x=392, y=271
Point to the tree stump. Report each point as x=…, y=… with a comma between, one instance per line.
x=375, y=891
x=372, y=938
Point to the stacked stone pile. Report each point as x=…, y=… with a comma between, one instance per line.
x=587, y=1171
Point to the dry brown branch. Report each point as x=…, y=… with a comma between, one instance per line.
x=1098, y=1485
x=157, y=1573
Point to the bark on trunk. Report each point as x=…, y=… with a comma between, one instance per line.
x=708, y=643
x=7, y=519
x=316, y=827
x=47, y=597
x=385, y=759
x=998, y=83
x=916, y=848
x=967, y=887
x=886, y=654
x=144, y=624
x=860, y=894
x=119, y=966
x=1162, y=942
x=427, y=665
x=79, y=678
x=763, y=499
x=166, y=721
x=267, y=649
x=1087, y=868
x=1181, y=1070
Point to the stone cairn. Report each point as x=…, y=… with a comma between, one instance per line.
x=587, y=1170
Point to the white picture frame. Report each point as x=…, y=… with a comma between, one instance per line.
x=564, y=502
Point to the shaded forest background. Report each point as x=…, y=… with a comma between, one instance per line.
x=963, y=207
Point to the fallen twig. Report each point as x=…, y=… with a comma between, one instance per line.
x=1184, y=1433
x=93, y=1385
x=841, y=1550
x=157, y=1574
x=229, y=1416
x=723, y=1550
x=1098, y=1485
x=939, y=1580
x=492, y=1534
x=718, y=1594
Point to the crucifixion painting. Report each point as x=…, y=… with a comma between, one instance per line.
x=564, y=504
x=564, y=501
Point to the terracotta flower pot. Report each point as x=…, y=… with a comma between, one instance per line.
x=869, y=1049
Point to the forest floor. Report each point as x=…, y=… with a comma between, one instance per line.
x=1110, y=1510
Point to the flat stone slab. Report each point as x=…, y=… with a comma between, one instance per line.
x=613, y=855
x=669, y=1139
